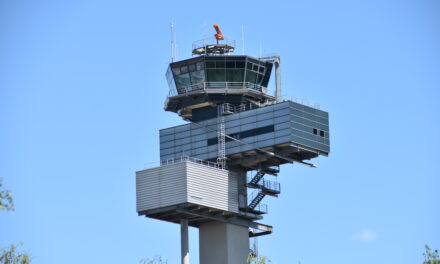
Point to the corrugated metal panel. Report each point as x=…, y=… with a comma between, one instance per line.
x=186, y=182
x=160, y=186
x=210, y=187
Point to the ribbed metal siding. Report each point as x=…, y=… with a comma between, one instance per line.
x=186, y=182
x=211, y=187
x=160, y=187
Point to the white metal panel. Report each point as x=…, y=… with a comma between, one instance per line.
x=211, y=187
x=160, y=187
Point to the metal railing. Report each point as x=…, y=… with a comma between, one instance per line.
x=203, y=43
x=214, y=85
x=190, y=159
x=262, y=208
x=273, y=186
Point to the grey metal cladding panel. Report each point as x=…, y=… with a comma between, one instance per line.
x=283, y=139
x=199, y=144
x=282, y=132
x=167, y=151
x=232, y=123
x=311, y=144
x=280, y=126
x=264, y=136
x=167, y=157
x=182, y=128
x=166, y=138
x=160, y=187
x=183, y=141
x=265, y=143
x=248, y=126
x=172, y=183
x=266, y=122
x=265, y=116
x=281, y=119
x=249, y=120
x=168, y=144
x=182, y=134
x=166, y=131
x=264, y=110
x=147, y=183
x=232, y=130
x=209, y=187
x=196, y=130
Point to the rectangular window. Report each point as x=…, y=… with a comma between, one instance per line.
x=192, y=67
x=230, y=64
x=220, y=64
x=315, y=131
x=239, y=64
x=234, y=75
x=244, y=134
x=176, y=71
x=321, y=133
x=184, y=69
x=200, y=66
x=216, y=75
x=210, y=64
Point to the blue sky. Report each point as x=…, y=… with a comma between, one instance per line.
x=82, y=88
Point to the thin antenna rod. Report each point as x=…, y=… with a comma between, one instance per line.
x=173, y=42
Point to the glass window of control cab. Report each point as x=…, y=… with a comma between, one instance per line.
x=219, y=72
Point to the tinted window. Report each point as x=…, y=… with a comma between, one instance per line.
x=230, y=64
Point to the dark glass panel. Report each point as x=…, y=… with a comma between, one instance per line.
x=200, y=66
x=230, y=64
x=244, y=134
x=266, y=78
x=176, y=71
x=182, y=82
x=259, y=78
x=216, y=75
x=210, y=64
x=240, y=64
x=250, y=76
x=261, y=69
x=234, y=75
x=220, y=64
x=184, y=69
x=197, y=77
x=192, y=67
x=255, y=67
x=249, y=66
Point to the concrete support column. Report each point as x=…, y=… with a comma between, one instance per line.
x=184, y=241
x=223, y=243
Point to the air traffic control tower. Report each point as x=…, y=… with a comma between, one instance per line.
x=215, y=170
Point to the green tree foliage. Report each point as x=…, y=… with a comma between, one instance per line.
x=431, y=256
x=255, y=259
x=10, y=255
x=6, y=202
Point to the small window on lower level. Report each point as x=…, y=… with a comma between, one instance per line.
x=321, y=133
x=315, y=131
